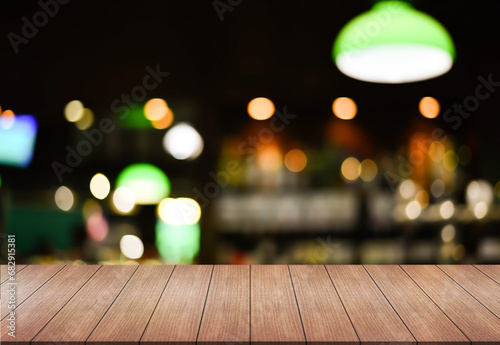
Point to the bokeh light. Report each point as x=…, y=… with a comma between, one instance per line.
x=295, y=160
x=270, y=159
x=260, y=108
x=429, y=107
x=64, y=198
x=480, y=210
x=7, y=120
x=458, y=252
x=344, y=108
x=350, y=169
x=437, y=188
x=165, y=121
x=497, y=189
x=73, y=111
x=478, y=191
x=436, y=151
x=177, y=243
x=123, y=199
x=423, y=198
x=155, y=109
x=100, y=186
x=132, y=247
x=180, y=211
x=448, y=233
x=148, y=183
x=392, y=186
x=413, y=210
x=17, y=139
x=447, y=209
x=368, y=170
x=183, y=142
x=86, y=121
x=450, y=160
x=407, y=189
x=473, y=190
x=97, y=227
x=446, y=250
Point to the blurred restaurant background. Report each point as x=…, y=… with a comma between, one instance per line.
x=250, y=132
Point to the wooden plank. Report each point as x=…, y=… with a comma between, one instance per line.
x=374, y=319
x=127, y=318
x=475, y=321
x=323, y=315
x=428, y=324
x=477, y=284
x=4, y=272
x=177, y=316
x=227, y=311
x=76, y=320
x=25, y=284
x=34, y=314
x=492, y=271
x=274, y=313
x=261, y=304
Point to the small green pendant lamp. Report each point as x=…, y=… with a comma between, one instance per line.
x=393, y=43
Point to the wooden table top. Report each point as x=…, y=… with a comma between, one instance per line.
x=260, y=304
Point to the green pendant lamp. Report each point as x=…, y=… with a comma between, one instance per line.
x=393, y=43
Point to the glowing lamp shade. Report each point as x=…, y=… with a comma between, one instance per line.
x=393, y=43
x=17, y=140
x=147, y=182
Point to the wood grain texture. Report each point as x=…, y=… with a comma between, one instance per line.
x=178, y=314
x=231, y=305
x=4, y=272
x=321, y=310
x=428, y=324
x=127, y=318
x=492, y=271
x=26, y=283
x=374, y=319
x=477, y=284
x=37, y=311
x=81, y=314
x=227, y=311
x=474, y=320
x=274, y=312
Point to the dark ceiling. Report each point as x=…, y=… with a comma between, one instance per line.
x=97, y=50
